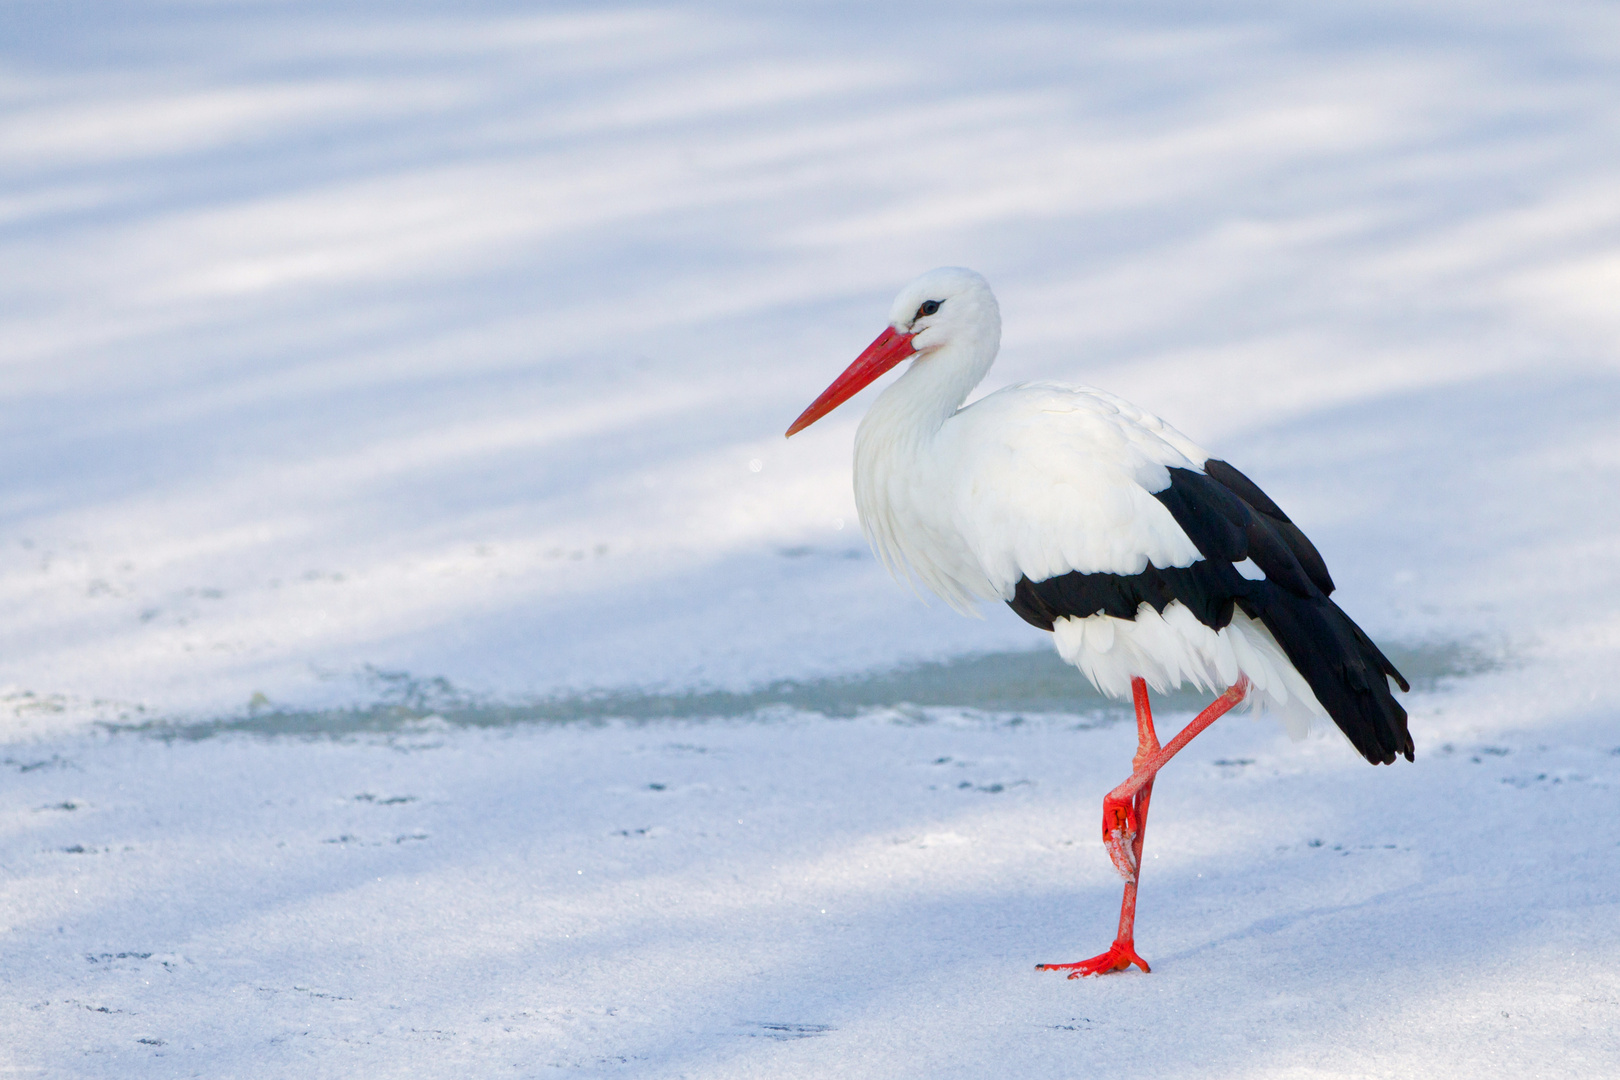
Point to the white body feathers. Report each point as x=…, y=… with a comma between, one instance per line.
x=1036, y=481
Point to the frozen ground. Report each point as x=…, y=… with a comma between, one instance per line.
x=800, y=896
x=385, y=387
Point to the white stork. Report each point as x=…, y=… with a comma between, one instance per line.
x=1149, y=561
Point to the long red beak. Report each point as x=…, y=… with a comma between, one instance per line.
x=889, y=349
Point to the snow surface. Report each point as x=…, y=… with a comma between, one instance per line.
x=355, y=347
x=808, y=897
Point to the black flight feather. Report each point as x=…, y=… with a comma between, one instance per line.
x=1229, y=519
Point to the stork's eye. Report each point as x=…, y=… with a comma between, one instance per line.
x=928, y=308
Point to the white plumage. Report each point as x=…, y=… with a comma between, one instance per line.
x=1035, y=481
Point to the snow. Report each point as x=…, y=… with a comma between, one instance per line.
x=804, y=896
x=434, y=361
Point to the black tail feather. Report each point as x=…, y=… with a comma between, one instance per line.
x=1228, y=518
x=1345, y=670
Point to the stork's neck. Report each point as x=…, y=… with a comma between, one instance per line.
x=900, y=465
x=913, y=410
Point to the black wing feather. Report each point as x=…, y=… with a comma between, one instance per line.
x=1205, y=588
x=1229, y=519
x=1289, y=533
x=1223, y=526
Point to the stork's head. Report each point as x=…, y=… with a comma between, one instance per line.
x=951, y=307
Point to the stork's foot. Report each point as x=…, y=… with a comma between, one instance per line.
x=1119, y=957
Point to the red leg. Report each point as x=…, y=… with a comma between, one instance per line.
x=1125, y=811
